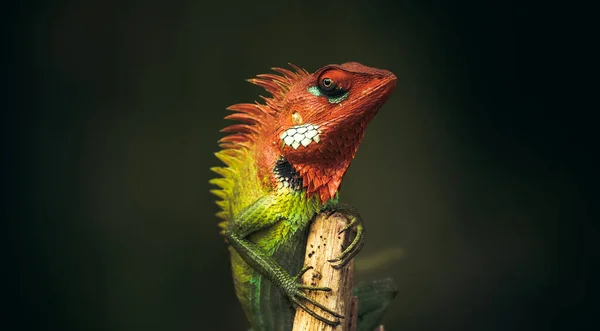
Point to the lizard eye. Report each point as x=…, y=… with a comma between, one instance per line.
x=329, y=87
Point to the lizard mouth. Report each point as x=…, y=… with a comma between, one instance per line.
x=301, y=135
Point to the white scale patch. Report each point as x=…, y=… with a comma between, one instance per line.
x=300, y=135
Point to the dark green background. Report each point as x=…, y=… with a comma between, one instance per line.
x=466, y=169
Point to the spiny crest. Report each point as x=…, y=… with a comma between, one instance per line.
x=279, y=85
x=225, y=183
x=252, y=117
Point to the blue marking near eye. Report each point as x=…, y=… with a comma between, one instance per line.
x=314, y=90
x=338, y=99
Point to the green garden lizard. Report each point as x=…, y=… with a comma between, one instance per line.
x=284, y=164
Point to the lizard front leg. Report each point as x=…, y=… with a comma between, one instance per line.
x=355, y=223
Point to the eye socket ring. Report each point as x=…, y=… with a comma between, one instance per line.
x=329, y=84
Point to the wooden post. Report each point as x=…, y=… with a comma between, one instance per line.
x=325, y=243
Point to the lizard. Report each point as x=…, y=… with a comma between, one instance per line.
x=284, y=163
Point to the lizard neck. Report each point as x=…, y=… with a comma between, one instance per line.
x=322, y=172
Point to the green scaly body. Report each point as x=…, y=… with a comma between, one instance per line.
x=287, y=213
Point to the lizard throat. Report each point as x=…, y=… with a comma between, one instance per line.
x=323, y=169
x=286, y=176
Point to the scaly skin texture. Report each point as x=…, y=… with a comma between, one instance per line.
x=284, y=164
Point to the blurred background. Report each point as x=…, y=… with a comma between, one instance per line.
x=466, y=174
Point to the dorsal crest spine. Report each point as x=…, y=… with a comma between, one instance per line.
x=253, y=118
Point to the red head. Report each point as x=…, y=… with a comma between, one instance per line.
x=317, y=121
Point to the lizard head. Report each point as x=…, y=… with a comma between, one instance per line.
x=315, y=121
x=323, y=118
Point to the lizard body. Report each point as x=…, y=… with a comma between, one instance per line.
x=284, y=164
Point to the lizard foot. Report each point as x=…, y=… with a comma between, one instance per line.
x=354, y=221
x=296, y=295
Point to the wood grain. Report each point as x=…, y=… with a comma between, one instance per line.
x=325, y=243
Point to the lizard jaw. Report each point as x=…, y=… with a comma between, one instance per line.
x=300, y=135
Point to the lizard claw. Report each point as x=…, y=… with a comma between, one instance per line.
x=354, y=221
x=296, y=295
x=302, y=272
